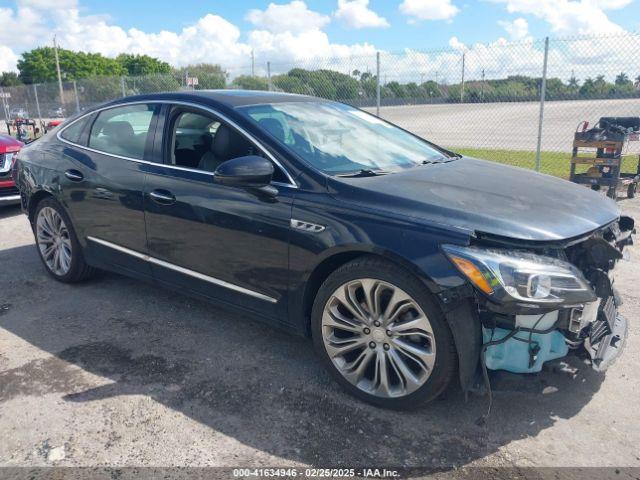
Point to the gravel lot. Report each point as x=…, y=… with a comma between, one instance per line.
x=120, y=373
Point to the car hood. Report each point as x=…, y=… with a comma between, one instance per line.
x=483, y=196
x=9, y=144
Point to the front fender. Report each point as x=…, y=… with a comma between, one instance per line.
x=350, y=231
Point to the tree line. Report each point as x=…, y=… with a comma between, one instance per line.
x=101, y=78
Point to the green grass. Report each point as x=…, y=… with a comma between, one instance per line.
x=551, y=163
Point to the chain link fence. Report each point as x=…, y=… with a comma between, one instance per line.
x=516, y=103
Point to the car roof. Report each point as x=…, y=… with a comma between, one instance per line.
x=228, y=98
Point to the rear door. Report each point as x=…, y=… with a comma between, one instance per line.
x=223, y=242
x=104, y=183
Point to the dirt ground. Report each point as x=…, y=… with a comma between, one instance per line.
x=119, y=373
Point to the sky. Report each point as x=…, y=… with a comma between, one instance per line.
x=227, y=32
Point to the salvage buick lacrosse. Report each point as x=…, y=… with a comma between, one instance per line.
x=410, y=266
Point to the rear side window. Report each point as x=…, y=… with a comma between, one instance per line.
x=123, y=130
x=73, y=133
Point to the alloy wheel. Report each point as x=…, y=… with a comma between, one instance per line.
x=378, y=338
x=54, y=241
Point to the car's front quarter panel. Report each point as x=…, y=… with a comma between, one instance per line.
x=352, y=230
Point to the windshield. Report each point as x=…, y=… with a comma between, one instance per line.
x=339, y=139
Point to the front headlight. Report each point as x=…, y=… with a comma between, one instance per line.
x=5, y=162
x=515, y=276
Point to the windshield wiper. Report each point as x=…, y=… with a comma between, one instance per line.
x=443, y=159
x=364, y=172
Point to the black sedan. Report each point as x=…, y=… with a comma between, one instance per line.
x=409, y=265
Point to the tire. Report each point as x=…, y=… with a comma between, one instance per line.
x=432, y=339
x=631, y=190
x=74, y=268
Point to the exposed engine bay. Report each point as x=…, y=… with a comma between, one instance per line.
x=520, y=337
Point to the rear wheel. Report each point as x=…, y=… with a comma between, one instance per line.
x=382, y=336
x=58, y=245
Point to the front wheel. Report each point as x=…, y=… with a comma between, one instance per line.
x=58, y=245
x=382, y=335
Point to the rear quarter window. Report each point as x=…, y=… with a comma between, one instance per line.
x=73, y=133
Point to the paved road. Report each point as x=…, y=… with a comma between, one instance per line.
x=116, y=372
x=510, y=126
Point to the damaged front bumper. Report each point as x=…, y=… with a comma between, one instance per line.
x=520, y=340
x=607, y=337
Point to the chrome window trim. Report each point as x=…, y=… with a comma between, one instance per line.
x=185, y=271
x=223, y=117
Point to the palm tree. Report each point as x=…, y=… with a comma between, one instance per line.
x=622, y=79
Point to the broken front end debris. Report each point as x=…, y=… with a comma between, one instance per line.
x=540, y=303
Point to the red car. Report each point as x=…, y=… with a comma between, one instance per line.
x=9, y=148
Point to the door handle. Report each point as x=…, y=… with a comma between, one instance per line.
x=74, y=175
x=162, y=197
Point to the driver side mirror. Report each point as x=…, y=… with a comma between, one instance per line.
x=249, y=172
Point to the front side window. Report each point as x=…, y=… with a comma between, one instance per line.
x=123, y=130
x=339, y=139
x=201, y=141
x=192, y=140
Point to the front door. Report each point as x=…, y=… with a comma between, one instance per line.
x=223, y=242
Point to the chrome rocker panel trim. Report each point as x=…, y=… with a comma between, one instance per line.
x=185, y=271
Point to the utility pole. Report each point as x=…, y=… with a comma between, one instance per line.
x=5, y=107
x=270, y=86
x=55, y=49
x=482, y=87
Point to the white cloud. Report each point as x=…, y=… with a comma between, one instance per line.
x=456, y=44
x=293, y=33
x=48, y=5
x=311, y=46
x=8, y=59
x=19, y=25
x=213, y=39
x=290, y=17
x=611, y=4
x=518, y=29
x=357, y=14
x=570, y=17
x=284, y=33
x=429, y=9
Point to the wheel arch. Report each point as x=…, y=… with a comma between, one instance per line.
x=34, y=200
x=336, y=259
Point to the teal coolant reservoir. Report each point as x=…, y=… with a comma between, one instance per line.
x=514, y=354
